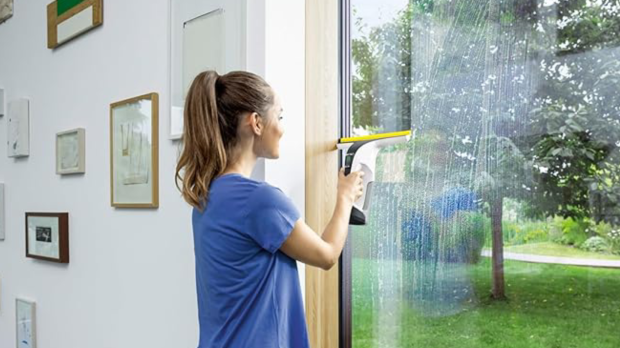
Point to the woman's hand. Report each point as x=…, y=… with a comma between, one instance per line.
x=350, y=187
x=306, y=246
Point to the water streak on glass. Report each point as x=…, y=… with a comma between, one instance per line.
x=488, y=228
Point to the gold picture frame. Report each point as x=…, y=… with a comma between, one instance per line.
x=134, y=152
x=68, y=19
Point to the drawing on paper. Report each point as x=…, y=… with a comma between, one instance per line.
x=6, y=10
x=24, y=312
x=18, y=128
x=70, y=157
x=136, y=149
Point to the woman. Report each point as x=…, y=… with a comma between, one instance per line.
x=248, y=234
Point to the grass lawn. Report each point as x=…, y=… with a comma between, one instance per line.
x=549, y=306
x=554, y=249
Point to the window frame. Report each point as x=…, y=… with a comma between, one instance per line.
x=344, y=106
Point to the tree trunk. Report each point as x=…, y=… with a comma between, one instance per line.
x=498, y=250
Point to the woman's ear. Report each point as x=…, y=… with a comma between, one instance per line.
x=256, y=122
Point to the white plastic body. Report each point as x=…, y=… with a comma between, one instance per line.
x=365, y=159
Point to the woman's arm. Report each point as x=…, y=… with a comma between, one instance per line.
x=305, y=245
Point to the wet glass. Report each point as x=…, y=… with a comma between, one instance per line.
x=498, y=224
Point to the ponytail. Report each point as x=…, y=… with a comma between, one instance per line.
x=213, y=107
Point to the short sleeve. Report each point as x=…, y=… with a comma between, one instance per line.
x=270, y=217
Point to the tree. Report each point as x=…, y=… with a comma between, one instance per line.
x=522, y=97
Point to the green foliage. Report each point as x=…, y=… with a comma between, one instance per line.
x=525, y=232
x=382, y=61
x=568, y=162
x=595, y=244
x=466, y=236
x=587, y=27
x=601, y=229
x=614, y=240
x=574, y=231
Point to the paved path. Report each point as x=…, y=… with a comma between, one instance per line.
x=557, y=260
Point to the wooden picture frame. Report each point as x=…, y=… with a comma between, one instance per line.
x=70, y=152
x=25, y=323
x=47, y=236
x=68, y=19
x=134, y=152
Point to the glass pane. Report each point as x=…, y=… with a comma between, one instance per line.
x=498, y=224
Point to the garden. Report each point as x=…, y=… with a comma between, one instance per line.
x=498, y=224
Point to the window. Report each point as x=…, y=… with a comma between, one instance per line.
x=498, y=224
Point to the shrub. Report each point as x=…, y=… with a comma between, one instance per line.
x=614, y=239
x=418, y=240
x=525, y=232
x=595, y=244
x=602, y=229
x=464, y=239
x=555, y=229
x=457, y=239
x=536, y=235
x=574, y=231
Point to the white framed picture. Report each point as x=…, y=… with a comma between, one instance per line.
x=70, y=152
x=18, y=128
x=134, y=152
x=2, y=215
x=25, y=323
x=2, y=112
x=204, y=35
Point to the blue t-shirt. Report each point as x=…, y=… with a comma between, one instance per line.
x=248, y=291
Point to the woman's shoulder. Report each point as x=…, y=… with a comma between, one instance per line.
x=267, y=195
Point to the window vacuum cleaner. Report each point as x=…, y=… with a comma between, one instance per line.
x=361, y=154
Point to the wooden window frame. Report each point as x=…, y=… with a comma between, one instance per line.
x=327, y=102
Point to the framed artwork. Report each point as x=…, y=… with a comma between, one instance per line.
x=47, y=236
x=70, y=151
x=134, y=162
x=205, y=35
x=2, y=215
x=25, y=323
x=2, y=100
x=18, y=128
x=67, y=19
x=6, y=10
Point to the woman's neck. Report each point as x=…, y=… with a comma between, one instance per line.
x=243, y=164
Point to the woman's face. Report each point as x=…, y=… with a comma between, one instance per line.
x=269, y=142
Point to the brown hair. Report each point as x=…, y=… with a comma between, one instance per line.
x=213, y=107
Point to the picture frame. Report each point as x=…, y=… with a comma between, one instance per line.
x=70, y=152
x=204, y=35
x=68, y=19
x=6, y=10
x=18, y=128
x=47, y=236
x=2, y=213
x=25, y=323
x=134, y=152
x=2, y=108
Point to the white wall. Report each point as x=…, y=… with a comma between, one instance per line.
x=285, y=71
x=130, y=282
